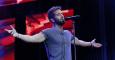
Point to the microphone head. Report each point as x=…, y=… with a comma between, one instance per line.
x=72, y=17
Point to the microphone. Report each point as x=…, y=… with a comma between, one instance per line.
x=72, y=17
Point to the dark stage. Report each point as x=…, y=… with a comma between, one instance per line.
x=97, y=18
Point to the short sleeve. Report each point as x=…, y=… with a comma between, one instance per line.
x=70, y=35
x=45, y=32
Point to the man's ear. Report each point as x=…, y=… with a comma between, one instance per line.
x=52, y=20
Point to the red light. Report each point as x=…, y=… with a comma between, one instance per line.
x=33, y=27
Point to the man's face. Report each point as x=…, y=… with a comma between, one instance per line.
x=58, y=17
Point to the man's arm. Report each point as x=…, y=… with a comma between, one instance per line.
x=34, y=38
x=85, y=44
x=37, y=38
x=81, y=42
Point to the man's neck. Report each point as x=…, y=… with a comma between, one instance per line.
x=59, y=27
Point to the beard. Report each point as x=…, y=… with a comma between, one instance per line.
x=60, y=21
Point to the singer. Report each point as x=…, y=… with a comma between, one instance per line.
x=57, y=40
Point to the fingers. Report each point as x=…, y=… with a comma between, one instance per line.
x=6, y=30
x=9, y=31
x=94, y=39
x=98, y=45
x=11, y=26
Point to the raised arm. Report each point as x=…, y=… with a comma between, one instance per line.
x=37, y=38
x=85, y=44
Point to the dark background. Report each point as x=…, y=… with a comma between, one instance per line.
x=96, y=21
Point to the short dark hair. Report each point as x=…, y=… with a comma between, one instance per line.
x=52, y=10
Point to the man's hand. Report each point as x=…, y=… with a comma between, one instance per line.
x=94, y=44
x=12, y=31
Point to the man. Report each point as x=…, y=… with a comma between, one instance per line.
x=57, y=41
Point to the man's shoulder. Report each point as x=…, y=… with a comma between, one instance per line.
x=47, y=29
x=67, y=31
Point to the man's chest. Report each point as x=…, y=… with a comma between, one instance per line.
x=59, y=38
